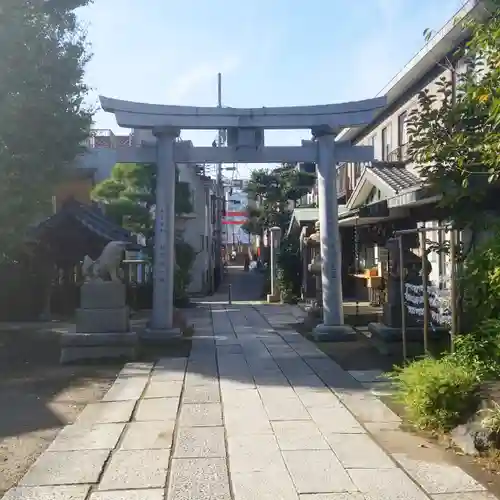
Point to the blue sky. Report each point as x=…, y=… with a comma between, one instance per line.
x=270, y=52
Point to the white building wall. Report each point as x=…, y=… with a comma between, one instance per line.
x=391, y=122
x=196, y=227
x=101, y=159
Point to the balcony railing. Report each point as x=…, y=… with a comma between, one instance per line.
x=400, y=154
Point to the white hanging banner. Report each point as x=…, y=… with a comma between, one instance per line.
x=439, y=302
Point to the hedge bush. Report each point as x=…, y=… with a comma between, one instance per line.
x=480, y=350
x=436, y=393
x=289, y=272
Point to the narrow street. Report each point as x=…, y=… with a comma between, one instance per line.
x=256, y=412
x=246, y=286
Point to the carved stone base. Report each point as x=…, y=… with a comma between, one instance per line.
x=336, y=333
x=388, y=340
x=103, y=320
x=102, y=295
x=80, y=347
x=413, y=333
x=160, y=336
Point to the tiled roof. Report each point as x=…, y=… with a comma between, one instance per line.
x=89, y=217
x=395, y=175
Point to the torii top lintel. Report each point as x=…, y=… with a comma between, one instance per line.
x=332, y=116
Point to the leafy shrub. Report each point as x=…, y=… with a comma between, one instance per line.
x=23, y=291
x=289, y=273
x=480, y=350
x=481, y=280
x=436, y=393
x=491, y=419
x=185, y=256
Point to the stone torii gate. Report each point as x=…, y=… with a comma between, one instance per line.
x=245, y=129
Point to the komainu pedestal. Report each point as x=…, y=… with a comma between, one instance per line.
x=102, y=325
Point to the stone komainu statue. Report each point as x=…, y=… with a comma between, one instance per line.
x=107, y=266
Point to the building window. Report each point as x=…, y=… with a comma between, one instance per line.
x=402, y=128
x=385, y=145
x=373, y=196
x=357, y=172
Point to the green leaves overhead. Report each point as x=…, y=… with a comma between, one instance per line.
x=43, y=121
x=129, y=196
x=455, y=132
x=275, y=193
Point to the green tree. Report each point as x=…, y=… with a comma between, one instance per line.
x=275, y=193
x=455, y=133
x=43, y=118
x=129, y=196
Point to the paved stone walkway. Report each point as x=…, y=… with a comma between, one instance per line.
x=256, y=413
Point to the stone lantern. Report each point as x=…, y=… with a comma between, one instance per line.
x=314, y=267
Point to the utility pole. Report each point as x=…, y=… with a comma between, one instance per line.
x=220, y=187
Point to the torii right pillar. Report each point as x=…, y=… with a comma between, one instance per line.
x=333, y=327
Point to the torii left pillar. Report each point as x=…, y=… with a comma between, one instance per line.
x=162, y=325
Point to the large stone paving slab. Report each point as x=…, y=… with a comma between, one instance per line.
x=199, y=479
x=154, y=435
x=169, y=369
x=154, y=494
x=66, y=467
x=263, y=485
x=167, y=365
x=136, y=369
x=47, y=493
x=335, y=420
x=282, y=408
x=254, y=423
x=465, y=496
x=106, y=412
x=368, y=375
x=81, y=437
x=323, y=398
x=202, y=394
x=205, y=415
x=299, y=435
x=386, y=484
x=204, y=377
x=254, y=453
x=161, y=389
x=125, y=389
x=368, y=408
x=136, y=469
x=157, y=409
x=359, y=451
x=272, y=393
x=439, y=477
x=317, y=471
x=333, y=496
x=200, y=442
